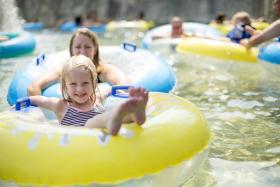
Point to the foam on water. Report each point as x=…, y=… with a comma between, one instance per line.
x=9, y=19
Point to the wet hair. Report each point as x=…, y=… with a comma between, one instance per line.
x=176, y=19
x=92, y=37
x=141, y=15
x=78, y=62
x=242, y=16
x=220, y=18
x=79, y=20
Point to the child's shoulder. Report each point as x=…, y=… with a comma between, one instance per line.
x=61, y=103
x=61, y=107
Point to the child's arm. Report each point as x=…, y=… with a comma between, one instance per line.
x=272, y=31
x=50, y=103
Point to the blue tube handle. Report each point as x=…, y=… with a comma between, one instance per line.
x=40, y=59
x=21, y=101
x=130, y=47
x=115, y=90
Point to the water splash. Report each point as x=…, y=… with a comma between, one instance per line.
x=9, y=19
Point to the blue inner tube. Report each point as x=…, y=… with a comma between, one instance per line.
x=38, y=26
x=18, y=44
x=72, y=27
x=270, y=53
x=144, y=68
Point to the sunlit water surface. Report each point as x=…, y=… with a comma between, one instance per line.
x=240, y=101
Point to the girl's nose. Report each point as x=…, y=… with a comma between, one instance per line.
x=83, y=51
x=79, y=88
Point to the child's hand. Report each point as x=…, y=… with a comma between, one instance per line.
x=251, y=30
x=245, y=43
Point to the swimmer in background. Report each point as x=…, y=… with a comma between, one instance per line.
x=240, y=20
x=91, y=19
x=177, y=30
x=221, y=23
x=3, y=38
x=269, y=33
x=220, y=19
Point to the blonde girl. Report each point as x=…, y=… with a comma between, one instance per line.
x=240, y=21
x=81, y=107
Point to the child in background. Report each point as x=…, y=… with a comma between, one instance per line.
x=220, y=19
x=80, y=106
x=272, y=31
x=240, y=20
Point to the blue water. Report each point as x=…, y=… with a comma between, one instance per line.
x=240, y=101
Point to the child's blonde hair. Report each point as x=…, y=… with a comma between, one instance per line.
x=78, y=62
x=241, y=16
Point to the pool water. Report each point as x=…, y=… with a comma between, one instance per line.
x=242, y=105
x=240, y=101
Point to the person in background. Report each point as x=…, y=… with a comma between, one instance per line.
x=80, y=106
x=177, y=27
x=220, y=19
x=177, y=30
x=79, y=20
x=91, y=19
x=141, y=16
x=83, y=42
x=3, y=38
x=240, y=20
x=269, y=33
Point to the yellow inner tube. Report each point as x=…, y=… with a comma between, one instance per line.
x=259, y=25
x=217, y=49
x=39, y=154
x=223, y=28
x=140, y=25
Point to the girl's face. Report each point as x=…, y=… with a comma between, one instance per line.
x=79, y=86
x=239, y=21
x=83, y=45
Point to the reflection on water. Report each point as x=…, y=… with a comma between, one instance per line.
x=242, y=106
x=241, y=103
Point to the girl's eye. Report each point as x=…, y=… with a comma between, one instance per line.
x=73, y=84
x=78, y=47
x=85, y=83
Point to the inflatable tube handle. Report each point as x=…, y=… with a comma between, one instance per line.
x=115, y=92
x=21, y=101
x=40, y=59
x=130, y=47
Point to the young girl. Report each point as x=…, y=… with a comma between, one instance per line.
x=240, y=20
x=80, y=106
x=269, y=33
